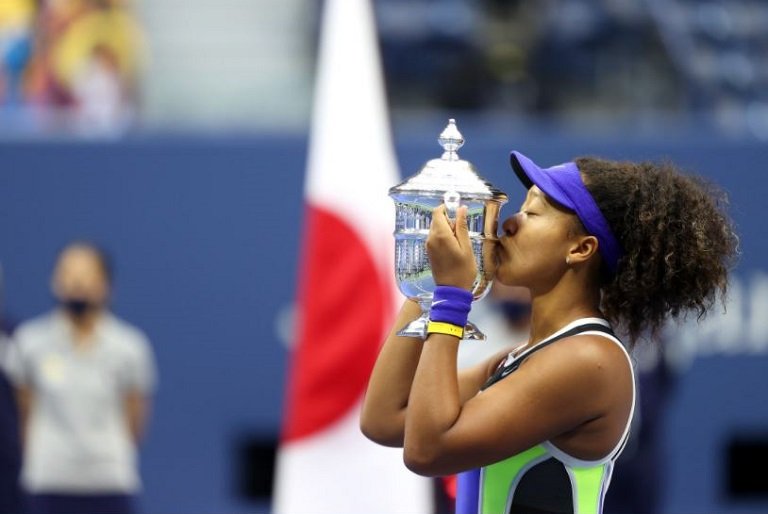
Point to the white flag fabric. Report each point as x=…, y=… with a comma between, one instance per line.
x=346, y=295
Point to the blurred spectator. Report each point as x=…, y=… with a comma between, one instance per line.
x=101, y=101
x=16, y=18
x=83, y=69
x=84, y=379
x=10, y=451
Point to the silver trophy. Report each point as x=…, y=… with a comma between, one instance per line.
x=452, y=181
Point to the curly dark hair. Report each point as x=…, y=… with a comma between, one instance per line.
x=679, y=242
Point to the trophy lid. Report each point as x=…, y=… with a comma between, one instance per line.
x=448, y=173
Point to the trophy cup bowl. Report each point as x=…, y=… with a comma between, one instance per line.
x=451, y=181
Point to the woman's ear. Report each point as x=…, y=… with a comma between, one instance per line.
x=583, y=249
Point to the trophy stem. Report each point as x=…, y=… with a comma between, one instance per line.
x=472, y=333
x=418, y=327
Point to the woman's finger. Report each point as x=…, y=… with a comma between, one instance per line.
x=440, y=222
x=462, y=229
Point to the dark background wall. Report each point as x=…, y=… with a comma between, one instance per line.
x=206, y=234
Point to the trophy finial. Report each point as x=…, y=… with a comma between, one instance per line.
x=451, y=140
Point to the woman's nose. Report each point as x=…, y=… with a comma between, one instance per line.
x=510, y=225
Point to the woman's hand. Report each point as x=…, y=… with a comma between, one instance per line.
x=450, y=250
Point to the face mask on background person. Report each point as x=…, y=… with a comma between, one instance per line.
x=78, y=307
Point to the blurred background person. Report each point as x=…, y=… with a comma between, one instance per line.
x=84, y=379
x=84, y=65
x=16, y=21
x=10, y=451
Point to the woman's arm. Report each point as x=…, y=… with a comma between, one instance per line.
x=383, y=416
x=385, y=407
x=564, y=393
x=386, y=400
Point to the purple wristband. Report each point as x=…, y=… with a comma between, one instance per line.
x=450, y=305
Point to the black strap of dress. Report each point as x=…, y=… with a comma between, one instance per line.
x=502, y=371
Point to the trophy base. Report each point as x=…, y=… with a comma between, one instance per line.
x=418, y=328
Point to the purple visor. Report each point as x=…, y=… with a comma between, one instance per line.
x=563, y=184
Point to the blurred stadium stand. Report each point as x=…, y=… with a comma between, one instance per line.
x=582, y=61
x=238, y=65
x=720, y=50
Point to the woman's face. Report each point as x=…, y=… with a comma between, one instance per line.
x=534, y=243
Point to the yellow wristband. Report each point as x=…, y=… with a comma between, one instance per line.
x=438, y=327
